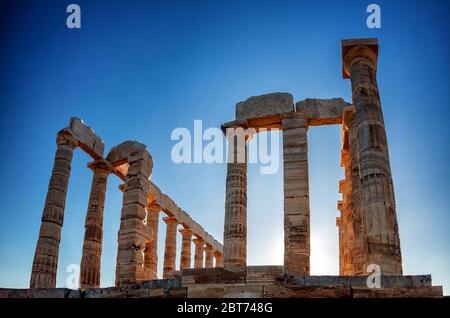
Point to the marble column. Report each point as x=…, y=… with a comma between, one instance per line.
x=378, y=202
x=341, y=242
x=133, y=232
x=296, y=194
x=93, y=233
x=45, y=263
x=199, y=249
x=235, y=225
x=345, y=187
x=171, y=246
x=359, y=251
x=151, y=247
x=219, y=259
x=209, y=256
x=185, y=259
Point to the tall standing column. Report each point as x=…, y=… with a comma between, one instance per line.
x=93, y=233
x=133, y=233
x=378, y=202
x=209, y=256
x=151, y=248
x=199, y=248
x=296, y=194
x=45, y=263
x=359, y=251
x=235, y=225
x=185, y=259
x=171, y=246
x=219, y=259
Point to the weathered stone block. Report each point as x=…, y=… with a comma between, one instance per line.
x=264, y=105
x=322, y=111
x=210, y=275
x=88, y=140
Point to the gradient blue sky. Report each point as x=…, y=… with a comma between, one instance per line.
x=138, y=69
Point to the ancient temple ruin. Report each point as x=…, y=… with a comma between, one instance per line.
x=142, y=203
x=367, y=225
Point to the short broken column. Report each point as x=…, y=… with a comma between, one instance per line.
x=296, y=194
x=133, y=232
x=199, y=248
x=151, y=248
x=93, y=234
x=185, y=259
x=209, y=256
x=219, y=259
x=235, y=225
x=171, y=246
x=382, y=243
x=45, y=263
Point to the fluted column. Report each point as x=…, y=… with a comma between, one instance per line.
x=296, y=194
x=219, y=259
x=185, y=259
x=209, y=256
x=133, y=233
x=171, y=246
x=378, y=202
x=345, y=207
x=93, y=233
x=235, y=225
x=199, y=249
x=45, y=263
x=151, y=247
x=359, y=250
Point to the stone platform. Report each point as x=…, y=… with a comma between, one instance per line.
x=257, y=282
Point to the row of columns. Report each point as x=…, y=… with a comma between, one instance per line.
x=368, y=228
x=137, y=256
x=201, y=249
x=296, y=198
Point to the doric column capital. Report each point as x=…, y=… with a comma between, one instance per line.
x=171, y=220
x=154, y=208
x=199, y=241
x=101, y=166
x=186, y=232
x=65, y=137
x=357, y=49
x=209, y=248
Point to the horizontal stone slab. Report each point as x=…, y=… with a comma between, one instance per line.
x=264, y=105
x=361, y=281
x=210, y=275
x=262, y=281
x=322, y=111
x=88, y=140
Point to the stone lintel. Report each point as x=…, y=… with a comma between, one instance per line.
x=88, y=140
x=264, y=106
x=370, y=43
x=169, y=207
x=322, y=111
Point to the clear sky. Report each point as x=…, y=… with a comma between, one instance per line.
x=136, y=70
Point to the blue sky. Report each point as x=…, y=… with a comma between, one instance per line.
x=136, y=70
